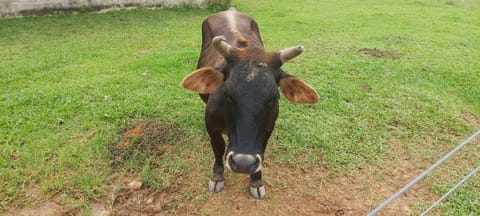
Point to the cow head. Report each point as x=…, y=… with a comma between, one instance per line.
x=247, y=89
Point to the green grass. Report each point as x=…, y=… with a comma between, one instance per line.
x=70, y=83
x=464, y=200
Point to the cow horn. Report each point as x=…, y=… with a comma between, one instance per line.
x=221, y=46
x=290, y=53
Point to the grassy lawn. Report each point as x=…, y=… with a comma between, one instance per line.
x=70, y=85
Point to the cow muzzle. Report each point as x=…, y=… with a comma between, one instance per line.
x=243, y=163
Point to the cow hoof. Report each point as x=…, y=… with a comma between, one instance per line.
x=258, y=192
x=215, y=186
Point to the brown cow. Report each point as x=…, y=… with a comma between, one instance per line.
x=238, y=81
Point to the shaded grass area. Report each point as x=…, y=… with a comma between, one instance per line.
x=70, y=83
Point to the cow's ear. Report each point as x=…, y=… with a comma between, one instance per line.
x=297, y=91
x=204, y=80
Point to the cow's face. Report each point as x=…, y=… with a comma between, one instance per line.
x=250, y=96
x=249, y=84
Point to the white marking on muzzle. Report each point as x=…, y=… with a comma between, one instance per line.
x=226, y=160
x=260, y=163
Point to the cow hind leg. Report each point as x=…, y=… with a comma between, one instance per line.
x=217, y=180
x=257, y=188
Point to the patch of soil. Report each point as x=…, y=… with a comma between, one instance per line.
x=378, y=53
x=471, y=119
x=367, y=88
x=150, y=139
x=53, y=206
x=43, y=209
x=312, y=191
x=142, y=202
x=291, y=190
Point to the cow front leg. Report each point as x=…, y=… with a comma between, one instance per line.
x=257, y=188
x=217, y=180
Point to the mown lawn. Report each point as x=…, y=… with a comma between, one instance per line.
x=71, y=84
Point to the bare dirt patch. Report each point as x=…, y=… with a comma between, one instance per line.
x=43, y=209
x=52, y=206
x=312, y=190
x=378, y=53
x=150, y=139
x=292, y=189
